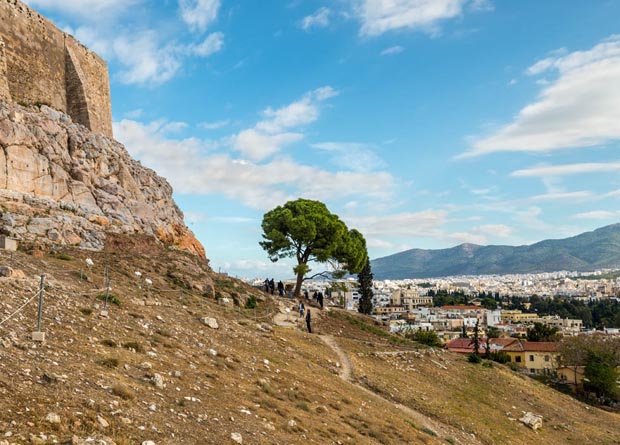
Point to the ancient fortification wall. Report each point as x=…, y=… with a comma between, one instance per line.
x=47, y=66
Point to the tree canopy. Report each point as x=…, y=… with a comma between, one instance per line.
x=307, y=231
x=543, y=332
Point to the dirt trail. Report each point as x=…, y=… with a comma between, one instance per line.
x=420, y=420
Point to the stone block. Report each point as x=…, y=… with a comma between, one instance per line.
x=7, y=243
x=38, y=336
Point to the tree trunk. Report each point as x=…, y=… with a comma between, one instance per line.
x=300, y=280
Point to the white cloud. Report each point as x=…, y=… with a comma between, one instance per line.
x=210, y=45
x=145, y=59
x=481, y=5
x=377, y=243
x=134, y=114
x=320, y=19
x=272, y=133
x=215, y=125
x=467, y=237
x=411, y=224
x=199, y=14
x=598, y=214
x=392, y=50
x=257, y=267
x=352, y=155
x=257, y=145
x=558, y=196
x=92, y=10
x=380, y=16
x=482, y=234
x=192, y=168
x=567, y=169
x=581, y=108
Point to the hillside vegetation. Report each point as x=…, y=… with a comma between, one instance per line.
x=588, y=251
x=157, y=370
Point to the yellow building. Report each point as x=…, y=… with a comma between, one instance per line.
x=516, y=316
x=536, y=357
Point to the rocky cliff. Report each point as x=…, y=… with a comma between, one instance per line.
x=62, y=184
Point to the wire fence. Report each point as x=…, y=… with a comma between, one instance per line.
x=20, y=308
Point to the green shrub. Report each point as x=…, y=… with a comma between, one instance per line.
x=429, y=338
x=474, y=358
x=251, y=303
x=500, y=357
x=111, y=299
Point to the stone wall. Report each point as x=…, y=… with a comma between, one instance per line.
x=46, y=66
x=4, y=83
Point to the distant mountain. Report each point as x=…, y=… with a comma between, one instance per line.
x=591, y=250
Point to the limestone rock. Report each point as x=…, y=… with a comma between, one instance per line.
x=52, y=418
x=210, y=321
x=9, y=272
x=158, y=381
x=65, y=185
x=102, y=422
x=236, y=437
x=532, y=420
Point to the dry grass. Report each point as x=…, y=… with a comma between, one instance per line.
x=278, y=376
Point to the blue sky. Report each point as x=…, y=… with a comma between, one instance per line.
x=422, y=123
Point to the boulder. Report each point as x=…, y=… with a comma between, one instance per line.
x=210, y=321
x=532, y=420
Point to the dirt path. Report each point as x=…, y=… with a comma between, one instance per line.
x=420, y=420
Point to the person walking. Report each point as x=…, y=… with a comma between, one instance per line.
x=308, y=320
x=320, y=298
x=281, y=288
x=272, y=286
x=301, y=309
x=266, y=283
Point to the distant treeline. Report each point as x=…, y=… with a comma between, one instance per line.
x=595, y=314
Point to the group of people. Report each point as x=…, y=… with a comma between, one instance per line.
x=316, y=296
x=270, y=287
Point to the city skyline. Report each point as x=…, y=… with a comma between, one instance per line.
x=422, y=124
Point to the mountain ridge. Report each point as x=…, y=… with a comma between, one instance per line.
x=587, y=251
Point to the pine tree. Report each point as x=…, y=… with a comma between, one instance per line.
x=364, y=279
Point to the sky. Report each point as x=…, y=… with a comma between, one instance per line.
x=421, y=123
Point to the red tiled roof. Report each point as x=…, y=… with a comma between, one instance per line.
x=533, y=346
x=541, y=346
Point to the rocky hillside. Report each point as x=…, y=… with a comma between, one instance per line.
x=586, y=252
x=61, y=184
x=183, y=361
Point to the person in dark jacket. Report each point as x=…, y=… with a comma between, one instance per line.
x=281, y=288
x=308, y=320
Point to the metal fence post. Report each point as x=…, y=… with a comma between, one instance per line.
x=38, y=335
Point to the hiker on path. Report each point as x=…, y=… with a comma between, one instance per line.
x=306, y=294
x=320, y=298
x=281, y=288
x=266, y=283
x=308, y=320
x=301, y=309
x=272, y=286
